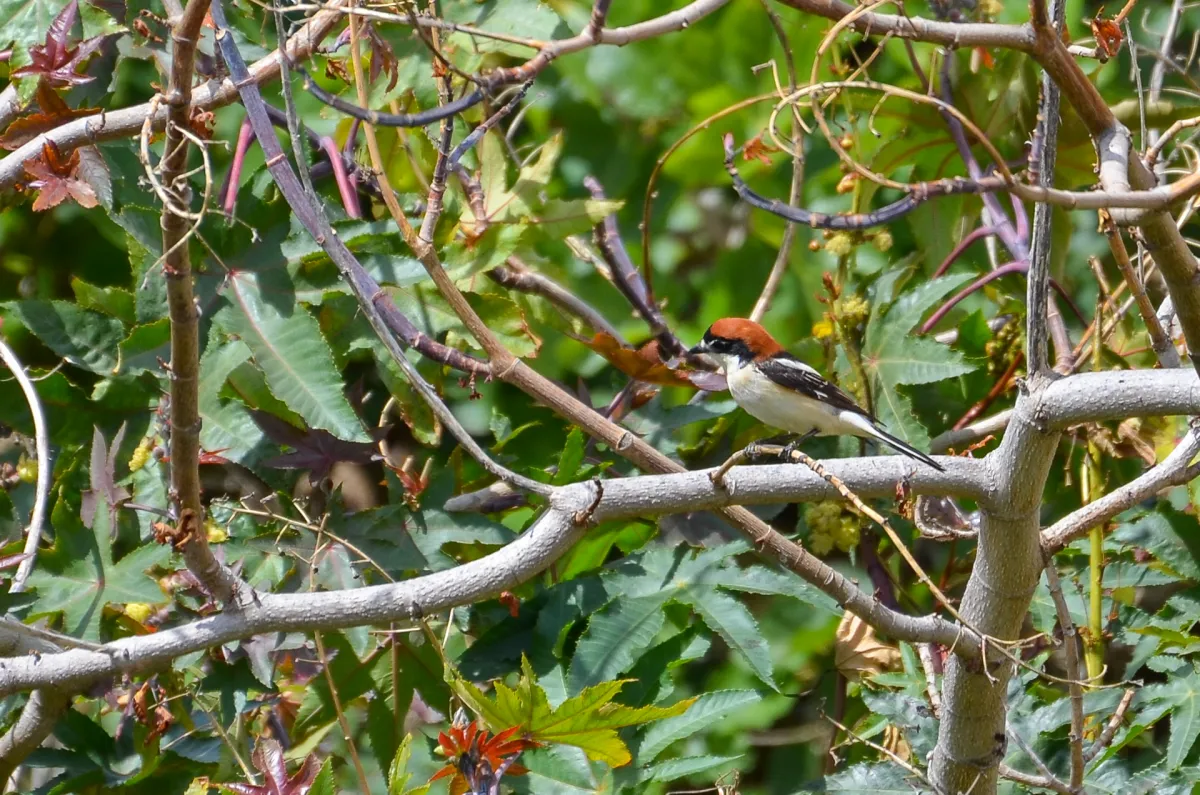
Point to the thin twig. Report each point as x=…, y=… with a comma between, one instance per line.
x=517, y=277
x=1110, y=729
x=1163, y=347
x=372, y=299
x=1071, y=651
x=779, y=268
x=1050, y=780
x=215, y=577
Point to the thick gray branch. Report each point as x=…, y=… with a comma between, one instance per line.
x=405, y=601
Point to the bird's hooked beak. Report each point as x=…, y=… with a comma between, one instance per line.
x=698, y=349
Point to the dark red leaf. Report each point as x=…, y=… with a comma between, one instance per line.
x=55, y=61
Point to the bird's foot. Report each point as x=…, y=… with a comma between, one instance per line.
x=790, y=450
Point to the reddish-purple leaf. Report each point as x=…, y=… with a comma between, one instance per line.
x=314, y=449
x=55, y=61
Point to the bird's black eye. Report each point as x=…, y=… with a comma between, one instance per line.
x=727, y=347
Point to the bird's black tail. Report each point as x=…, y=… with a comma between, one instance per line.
x=905, y=448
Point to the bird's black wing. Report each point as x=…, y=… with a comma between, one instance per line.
x=791, y=373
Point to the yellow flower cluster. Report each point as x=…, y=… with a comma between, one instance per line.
x=831, y=525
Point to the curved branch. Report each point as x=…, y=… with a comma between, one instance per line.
x=919, y=193
x=38, y=719
x=45, y=470
x=422, y=119
x=407, y=601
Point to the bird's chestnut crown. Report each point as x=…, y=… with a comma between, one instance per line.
x=737, y=338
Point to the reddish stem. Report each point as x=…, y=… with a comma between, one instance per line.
x=245, y=137
x=968, y=239
x=345, y=188
x=987, y=278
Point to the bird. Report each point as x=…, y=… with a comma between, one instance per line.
x=778, y=389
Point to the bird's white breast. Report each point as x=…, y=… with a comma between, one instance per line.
x=780, y=407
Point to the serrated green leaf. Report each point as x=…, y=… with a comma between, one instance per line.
x=146, y=347
x=110, y=300
x=292, y=354
x=707, y=709
x=728, y=618
x=558, y=218
x=84, y=338
x=324, y=784
x=673, y=769
x=570, y=458
x=1185, y=722
x=398, y=775
x=227, y=424
x=615, y=637
x=761, y=580
x=908, y=309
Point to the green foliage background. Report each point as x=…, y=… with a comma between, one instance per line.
x=755, y=647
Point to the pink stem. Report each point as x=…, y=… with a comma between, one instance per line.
x=345, y=187
x=245, y=136
x=990, y=276
x=968, y=239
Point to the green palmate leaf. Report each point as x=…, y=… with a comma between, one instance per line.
x=507, y=321
x=707, y=709
x=727, y=617
x=893, y=356
x=615, y=637
x=84, y=338
x=78, y=576
x=761, y=580
x=324, y=784
x=880, y=778
x=289, y=348
x=588, y=721
x=351, y=676
x=1164, y=534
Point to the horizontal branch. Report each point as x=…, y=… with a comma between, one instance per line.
x=1118, y=395
x=948, y=34
x=407, y=601
x=422, y=119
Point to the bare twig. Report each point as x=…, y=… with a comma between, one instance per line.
x=518, y=277
x=625, y=277
x=1110, y=729
x=1049, y=780
x=1164, y=349
x=1071, y=651
x=779, y=268
x=1038, y=283
x=185, y=327
x=371, y=298
x=45, y=469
